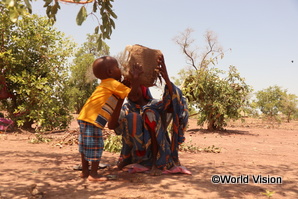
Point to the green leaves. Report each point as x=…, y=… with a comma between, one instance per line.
x=36, y=71
x=96, y=29
x=214, y=96
x=99, y=42
x=51, y=10
x=13, y=15
x=113, y=144
x=28, y=5
x=274, y=100
x=16, y=9
x=106, y=24
x=47, y=3
x=81, y=16
x=10, y=3
x=101, y=10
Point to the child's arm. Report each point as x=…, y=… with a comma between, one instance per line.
x=113, y=122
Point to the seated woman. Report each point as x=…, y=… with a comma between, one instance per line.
x=144, y=123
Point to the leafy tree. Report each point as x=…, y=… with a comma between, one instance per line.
x=274, y=100
x=251, y=109
x=33, y=61
x=82, y=81
x=101, y=10
x=289, y=105
x=216, y=98
x=269, y=101
x=295, y=116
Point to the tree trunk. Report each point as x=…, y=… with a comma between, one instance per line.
x=211, y=125
x=28, y=125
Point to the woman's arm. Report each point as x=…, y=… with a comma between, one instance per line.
x=164, y=73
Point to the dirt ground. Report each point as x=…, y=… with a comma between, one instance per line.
x=246, y=151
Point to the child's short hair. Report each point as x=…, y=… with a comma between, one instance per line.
x=101, y=65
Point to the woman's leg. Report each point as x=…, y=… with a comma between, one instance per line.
x=133, y=148
x=159, y=148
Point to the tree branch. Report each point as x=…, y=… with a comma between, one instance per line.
x=187, y=54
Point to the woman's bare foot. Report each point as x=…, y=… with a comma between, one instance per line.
x=155, y=171
x=122, y=164
x=97, y=178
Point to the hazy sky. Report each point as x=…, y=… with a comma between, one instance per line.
x=263, y=34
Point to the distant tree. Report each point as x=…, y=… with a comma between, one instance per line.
x=269, y=101
x=289, y=106
x=82, y=82
x=33, y=61
x=295, y=116
x=216, y=98
x=101, y=10
x=251, y=110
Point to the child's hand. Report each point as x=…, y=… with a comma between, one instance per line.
x=126, y=82
x=136, y=71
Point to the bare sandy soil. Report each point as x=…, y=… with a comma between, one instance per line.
x=246, y=151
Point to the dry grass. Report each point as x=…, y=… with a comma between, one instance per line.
x=263, y=123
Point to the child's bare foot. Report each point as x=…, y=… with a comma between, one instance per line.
x=84, y=175
x=97, y=178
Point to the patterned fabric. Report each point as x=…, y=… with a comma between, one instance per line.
x=91, y=142
x=5, y=124
x=101, y=104
x=179, y=116
x=134, y=123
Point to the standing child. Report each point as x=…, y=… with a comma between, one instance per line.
x=102, y=107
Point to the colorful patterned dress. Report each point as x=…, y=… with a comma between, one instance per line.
x=134, y=123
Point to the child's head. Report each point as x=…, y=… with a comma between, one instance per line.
x=106, y=67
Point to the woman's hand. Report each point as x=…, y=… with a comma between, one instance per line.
x=162, y=69
x=164, y=73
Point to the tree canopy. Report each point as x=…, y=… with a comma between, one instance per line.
x=101, y=10
x=34, y=63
